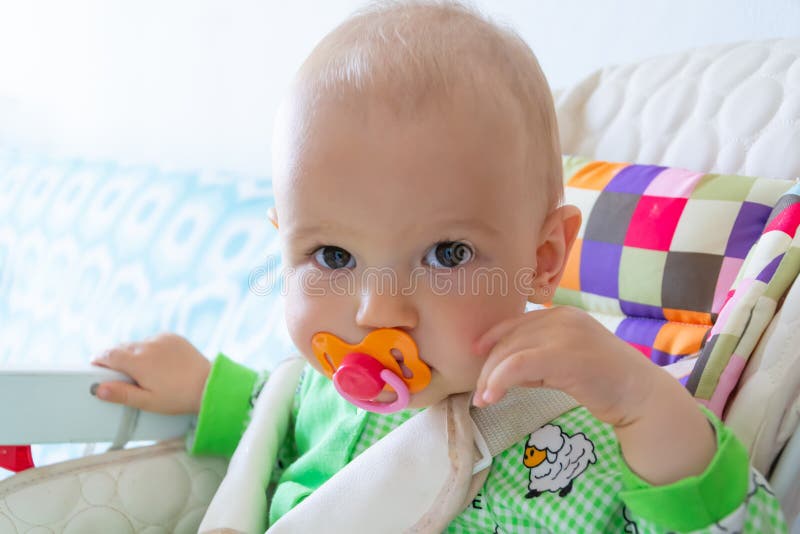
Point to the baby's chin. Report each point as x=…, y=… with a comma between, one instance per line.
x=418, y=401
x=423, y=399
x=436, y=392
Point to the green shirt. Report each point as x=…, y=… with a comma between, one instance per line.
x=583, y=485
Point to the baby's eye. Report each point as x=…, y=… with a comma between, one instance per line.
x=448, y=254
x=334, y=257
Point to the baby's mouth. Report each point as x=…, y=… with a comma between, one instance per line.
x=401, y=361
x=386, y=397
x=378, y=374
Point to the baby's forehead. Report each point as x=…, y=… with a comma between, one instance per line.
x=418, y=59
x=404, y=172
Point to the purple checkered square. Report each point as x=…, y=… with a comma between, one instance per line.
x=636, y=309
x=747, y=228
x=634, y=179
x=638, y=330
x=600, y=268
x=768, y=272
x=661, y=358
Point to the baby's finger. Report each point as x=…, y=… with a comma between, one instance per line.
x=489, y=338
x=518, y=369
x=522, y=336
x=119, y=358
x=124, y=393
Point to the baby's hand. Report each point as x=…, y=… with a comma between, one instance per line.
x=566, y=349
x=170, y=375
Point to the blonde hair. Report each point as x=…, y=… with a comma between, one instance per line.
x=421, y=50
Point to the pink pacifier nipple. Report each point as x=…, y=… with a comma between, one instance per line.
x=360, y=376
x=361, y=372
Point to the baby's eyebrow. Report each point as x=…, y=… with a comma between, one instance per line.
x=303, y=232
x=468, y=224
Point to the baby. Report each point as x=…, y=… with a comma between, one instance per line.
x=420, y=140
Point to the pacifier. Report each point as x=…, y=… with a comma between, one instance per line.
x=386, y=360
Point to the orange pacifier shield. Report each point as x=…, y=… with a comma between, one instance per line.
x=386, y=359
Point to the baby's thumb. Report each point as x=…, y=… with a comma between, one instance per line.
x=123, y=393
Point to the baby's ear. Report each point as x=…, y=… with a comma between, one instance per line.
x=272, y=215
x=557, y=236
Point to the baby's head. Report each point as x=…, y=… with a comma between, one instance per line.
x=417, y=175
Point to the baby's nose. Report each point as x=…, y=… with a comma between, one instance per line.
x=381, y=310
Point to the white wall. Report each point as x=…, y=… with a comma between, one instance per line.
x=195, y=83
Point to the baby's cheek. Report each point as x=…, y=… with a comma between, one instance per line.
x=486, y=311
x=309, y=312
x=473, y=322
x=304, y=317
x=460, y=330
x=298, y=326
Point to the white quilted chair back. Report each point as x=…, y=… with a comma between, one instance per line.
x=729, y=109
x=732, y=109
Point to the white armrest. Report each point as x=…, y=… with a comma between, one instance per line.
x=56, y=406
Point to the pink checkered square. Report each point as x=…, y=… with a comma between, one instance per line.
x=673, y=183
x=727, y=275
x=653, y=222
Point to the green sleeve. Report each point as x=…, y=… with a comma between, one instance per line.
x=698, y=501
x=226, y=407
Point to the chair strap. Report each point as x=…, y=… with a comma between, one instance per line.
x=520, y=412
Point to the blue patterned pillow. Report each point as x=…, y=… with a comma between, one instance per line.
x=94, y=254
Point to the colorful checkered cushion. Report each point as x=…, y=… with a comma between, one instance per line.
x=660, y=248
x=771, y=266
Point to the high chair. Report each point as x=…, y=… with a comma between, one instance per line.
x=724, y=320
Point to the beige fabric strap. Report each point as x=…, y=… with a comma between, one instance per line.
x=239, y=504
x=520, y=412
x=415, y=479
x=431, y=477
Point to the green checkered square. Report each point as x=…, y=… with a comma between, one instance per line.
x=585, y=200
x=640, y=274
x=377, y=426
x=571, y=165
x=600, y=304
x=767, y=192
x=723, y=187
x=725, y=343
x=695, y=216
x=785, y=275
x=568, y=297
